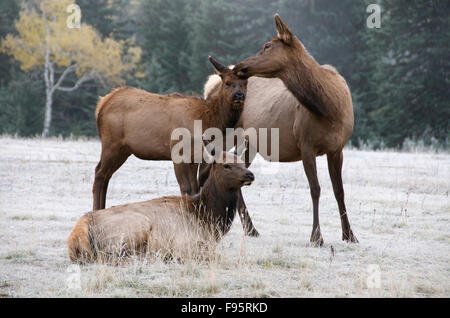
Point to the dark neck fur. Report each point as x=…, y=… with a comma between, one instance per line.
x=215, y=207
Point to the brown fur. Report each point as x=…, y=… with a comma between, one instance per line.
x=311, y=106
x=105, y=99
x=79, y=247
x=174, y=226
x=133, y=121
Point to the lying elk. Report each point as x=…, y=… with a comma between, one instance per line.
x=133, y=121
x=176, y=227
x=311, y=106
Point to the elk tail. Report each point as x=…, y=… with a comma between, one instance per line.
x=79, y=242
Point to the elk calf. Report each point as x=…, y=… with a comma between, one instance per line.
x=180, y=227
x=133, y=121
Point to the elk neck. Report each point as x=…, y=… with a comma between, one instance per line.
x=306, y=80
x=215, y=206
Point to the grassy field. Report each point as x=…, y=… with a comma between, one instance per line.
x=398, y=206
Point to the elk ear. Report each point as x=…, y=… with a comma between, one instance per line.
x=203, y=175
x=283, y=31
x=240, y=151
x=209, y=150
x=217, y=65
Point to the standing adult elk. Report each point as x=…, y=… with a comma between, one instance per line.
x=310, y=104
x=133, y=121
x=177, y=227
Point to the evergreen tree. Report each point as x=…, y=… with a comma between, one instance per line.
x=22, y=102
x=9, y=11
x=413, y=71
x=398, y=74
x=228, y=30
x=164, y=39
x=210, y=30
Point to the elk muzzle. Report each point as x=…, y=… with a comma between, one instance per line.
x=238, y=100
x=238, y=97
x=248, y=178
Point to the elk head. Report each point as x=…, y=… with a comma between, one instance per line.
x=228, y=169
x=274, y=57
x=233, y=88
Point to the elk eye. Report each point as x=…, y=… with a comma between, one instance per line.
x=267, y=46
x=227, y=83
x=227, y=166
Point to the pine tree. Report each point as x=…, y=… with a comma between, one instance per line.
x=22, y=102
x=9, y=11
x=228, y=30
x=164, y=39
x=413, y=71
x=208, y=36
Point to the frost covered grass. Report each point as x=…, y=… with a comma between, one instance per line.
x=398, y=206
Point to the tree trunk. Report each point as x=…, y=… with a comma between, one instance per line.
x=48, y=114
x=48, y=77
x=50, y=86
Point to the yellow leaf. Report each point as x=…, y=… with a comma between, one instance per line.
x=47, y=29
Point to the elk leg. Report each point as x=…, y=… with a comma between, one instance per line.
x=97, y=188
x=309, y=164
x=335, y=161
x=103, y=172
x=104, y=190
x=182, y=173
x=246, y=221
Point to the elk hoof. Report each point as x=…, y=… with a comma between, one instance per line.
x=253, y=233
x=350, y=237
x=316, y=239
x=317, y=243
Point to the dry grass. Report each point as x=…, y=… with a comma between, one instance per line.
x=398, y=205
